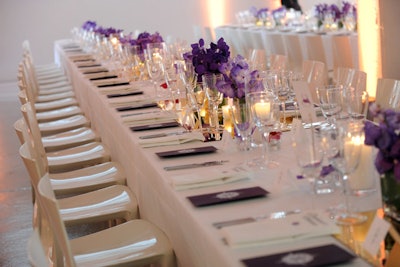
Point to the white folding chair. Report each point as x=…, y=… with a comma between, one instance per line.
x=133, y=243
x=293, y=51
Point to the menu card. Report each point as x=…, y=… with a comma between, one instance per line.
x=309, y=257
x=227, y=196
x=187, y=151
x=305, y=101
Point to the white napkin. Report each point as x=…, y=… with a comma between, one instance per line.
x=172, y=140
x=137, y=100
x=144, y=118
x=217, y=176
x=109, y=81
x=271, y=231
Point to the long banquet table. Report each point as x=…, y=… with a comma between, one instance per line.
x=195, y=240
x=335, y=49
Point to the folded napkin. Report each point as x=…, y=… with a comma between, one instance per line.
x=171, y=140
x=271, y=231
x=217, y=176
x=117, y=89
x=145, y=118
x=137, y=100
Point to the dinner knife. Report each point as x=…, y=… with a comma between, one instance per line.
x=150, y=136
x=195, y=165
x=273, y=215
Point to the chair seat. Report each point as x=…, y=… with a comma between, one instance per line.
x=60, y=103
x=88, y=179
x=57, y=114
x=104, y=204
x=52, y=97
x=55, y=90
x=77, y=157
x=52, y=79
x=62, y=125
x=144, y=241
x=69, y=139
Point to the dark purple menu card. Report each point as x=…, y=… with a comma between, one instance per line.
x=227, y=196
x=311, y=257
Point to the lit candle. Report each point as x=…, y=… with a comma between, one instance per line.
x=262, y=110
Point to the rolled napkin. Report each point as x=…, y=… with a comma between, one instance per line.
x=172, y=140
x=271, y=231
x=217, y=176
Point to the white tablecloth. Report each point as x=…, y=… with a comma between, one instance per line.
x=195, y=240
x=243, y=39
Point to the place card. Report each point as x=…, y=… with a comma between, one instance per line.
x=305, y=102
x=376, y=233
x=309, y=257
x=187, y=152
x=125, y=94
x=227, y=196
x=147, y=105
x=155, y=126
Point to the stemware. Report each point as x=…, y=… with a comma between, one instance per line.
x=348, y=142
x=214, y=97
x=155, y=67
x=196, y=97
x=309, y=154
x=263, y=112
x=331, y=103
x=243, y=126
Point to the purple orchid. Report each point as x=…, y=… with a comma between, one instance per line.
x=386, y=137
x=208, y=60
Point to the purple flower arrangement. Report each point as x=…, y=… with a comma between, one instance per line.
x=259, y=13
x=145, y=38
x=208, y=59
x=338, y=13
x=235, y=72
x=385, y=135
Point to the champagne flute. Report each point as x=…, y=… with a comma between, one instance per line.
x=263, y=111
x=214, y=97
x=348, y=143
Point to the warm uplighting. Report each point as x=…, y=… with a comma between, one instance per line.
x=369, y=42
x=216, y=12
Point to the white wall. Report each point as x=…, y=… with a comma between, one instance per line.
x=43, y=21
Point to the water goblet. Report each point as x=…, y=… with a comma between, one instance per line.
x=196, y=97
x=263, y=112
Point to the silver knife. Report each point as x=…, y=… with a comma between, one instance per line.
x=274, y=215
x=195, y=165
x=162, y=135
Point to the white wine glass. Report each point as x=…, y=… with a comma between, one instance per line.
x=348, y=143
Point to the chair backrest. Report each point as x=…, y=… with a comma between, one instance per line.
x=33, y=136
x=349, y=77
x=49, y=203
x=293, y=51
x=258, y=60
x=36, y=255
x=388, y=93
x=19, y=127
x=315, y=49
x=342, y=52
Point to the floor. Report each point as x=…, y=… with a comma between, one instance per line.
x=15, y=190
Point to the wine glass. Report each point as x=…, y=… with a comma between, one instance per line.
x=196, y=97
x=241, y=117
x=214, y=97
x=348, y=142
x=331, y=103
x=154, y=62
x=263, y=111
x=309, y=151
